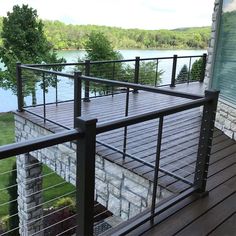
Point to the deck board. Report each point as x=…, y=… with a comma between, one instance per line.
x=211, y=215
x=192, y=216
x=180, y=131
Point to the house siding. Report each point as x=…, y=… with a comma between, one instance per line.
x=226, y=111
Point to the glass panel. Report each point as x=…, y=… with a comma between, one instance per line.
x=225, y=63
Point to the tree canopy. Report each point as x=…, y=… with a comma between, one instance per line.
x=183, y=74
x=99, y=48
x=63, y=36
x=23, y=40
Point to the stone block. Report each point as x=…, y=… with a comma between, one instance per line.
x=227, y=124
x=131, y=197
x=233, y=127
x=223, y=114
x=102, y=201
x=114, y=205
x=125, y=205
x=136, y=187
x=229, y=133
x=218, y=125
x=114, y=191
x=113, y=169
x=99, y=159
x=101, y=186
x=136, y=178
x=232, y=111
x=100, y=174
x=117, y=182
x=134, y=210
x=232, y=118
x=124, y=215
x=65, y=148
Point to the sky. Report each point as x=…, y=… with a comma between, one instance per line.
x=143, y=14
x=229, y=5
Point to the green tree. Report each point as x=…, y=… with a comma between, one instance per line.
x=183, y=74
x=99, y=48
x=13, y=222
x=148, y=73
x=23, y=40
x=196, y=70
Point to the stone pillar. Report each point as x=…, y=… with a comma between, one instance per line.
x=212, y=42
x=29, y=178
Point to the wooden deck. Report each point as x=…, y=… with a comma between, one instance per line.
x=214, y=214
x=180, y=133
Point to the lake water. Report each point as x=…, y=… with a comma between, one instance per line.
x=8, y=101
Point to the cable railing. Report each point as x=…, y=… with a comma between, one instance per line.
x=38, y=87
x=167, y=145
x=157, y=142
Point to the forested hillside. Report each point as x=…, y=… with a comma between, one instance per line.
x=64, y=36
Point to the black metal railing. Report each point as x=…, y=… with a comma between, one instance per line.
x=89, y=134
x=158, y=71
x=80, y=92
x=85, y=133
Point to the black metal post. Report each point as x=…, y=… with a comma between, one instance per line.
x=44, y=99
x=20, y=98
x=189, y=69
x=56, y=87
x=173, y=71
x=136, y=72
x=113, y=77
x=77, y=96
x=85, y=175
x=157, y=167
x=155, y=83
x=87, y=73
x=126, y=128
x=205, y=140
x=204, y=61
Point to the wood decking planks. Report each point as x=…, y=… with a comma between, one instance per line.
x=192, y=216
x=180, y=133
x=212, y=214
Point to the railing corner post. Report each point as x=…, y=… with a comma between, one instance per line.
x=205, y=140
x=175, y=57
x=77, y=95
x=87, y=73
x=204, y=61
x=136, y=72
x=20, y=98
x=85, y=175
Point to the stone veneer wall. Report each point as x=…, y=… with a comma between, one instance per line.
x=123, y=192
x=226, y=112
x=210, y=50
x=226, y=118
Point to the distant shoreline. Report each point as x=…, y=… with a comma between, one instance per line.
x=173, y=48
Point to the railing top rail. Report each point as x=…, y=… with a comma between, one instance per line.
x=131, y=120
x=38, y=143
x=163, y=58
x=106, y=61
x=47, y=71
x=141, y=87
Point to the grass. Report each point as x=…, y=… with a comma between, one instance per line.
x=7, y=136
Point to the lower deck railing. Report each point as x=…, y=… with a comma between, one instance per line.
x=84, y=136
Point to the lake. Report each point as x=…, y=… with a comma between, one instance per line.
x=8, y=100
